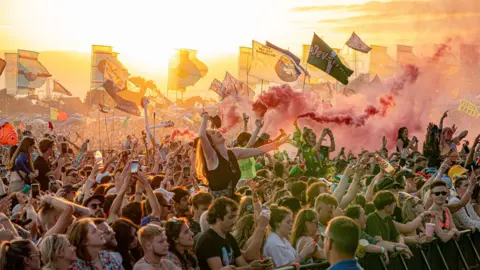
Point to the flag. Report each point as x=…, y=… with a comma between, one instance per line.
x=58, y=115
x=216, y=87
x=3, y=63
x=292, y=56
x=125, y=122
x=272, y=65
x=182, y=71
x=31, y=73
x=50, y=126
x=99, y=54
x=103, y=108
x=115, y=74
x=357, y=44
x=200, y=65
x=234, y=87
x=381, y=64
x=58, y=88
x=326, y=59
x=244, y=64
x=11, y=73
x=405, y=56
x=469, y=108
x=122, y=104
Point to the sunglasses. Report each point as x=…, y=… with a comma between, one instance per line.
x=95, y=205
x=443, y=193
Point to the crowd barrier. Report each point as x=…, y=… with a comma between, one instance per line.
x=453, y=255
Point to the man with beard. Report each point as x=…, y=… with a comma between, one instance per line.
x=153, y=240
x=111, y=241
x=95, y=204
x=216, y=248
x=340, y=244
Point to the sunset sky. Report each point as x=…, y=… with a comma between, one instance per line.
x=146, y=32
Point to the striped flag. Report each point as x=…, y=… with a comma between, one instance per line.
x=357, y=44
x=58, y=115
x=216, y=87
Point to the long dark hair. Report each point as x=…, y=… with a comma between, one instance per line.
x=172, y=230
x=12, y=254
x=123, y=235
x=24, y=147
x=399, y=137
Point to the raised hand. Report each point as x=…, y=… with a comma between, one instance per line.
x=259, y=123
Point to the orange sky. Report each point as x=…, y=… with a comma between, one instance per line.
x=146, y=32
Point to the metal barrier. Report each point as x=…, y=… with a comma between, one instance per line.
x=453, y=255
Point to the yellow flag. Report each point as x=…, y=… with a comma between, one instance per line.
x=53, y=114
x=468, y=107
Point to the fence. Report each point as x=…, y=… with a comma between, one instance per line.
x=453, y=255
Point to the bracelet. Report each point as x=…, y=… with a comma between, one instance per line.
x=383, y=250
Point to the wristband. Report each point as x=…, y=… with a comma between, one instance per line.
x=383, y=250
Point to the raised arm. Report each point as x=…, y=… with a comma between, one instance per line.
x=253, y=138
x=245, y=122
x=117, y=202
x=243, y=153
x=339, y=192
x=152, y=199
x=351, y=193
x=454, y=207
x=472, y=152
x=211, y=157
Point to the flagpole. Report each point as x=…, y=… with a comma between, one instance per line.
x=106, y=131
x=99, y=136
x=261, y=87
x=355, y=61
x=305, y=77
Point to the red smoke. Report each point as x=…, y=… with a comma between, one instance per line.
x=230, y=117
x=280, y=98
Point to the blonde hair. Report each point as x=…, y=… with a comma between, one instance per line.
x=244, y=230
x=50, y=247
x=147, y=233
x=407, y=209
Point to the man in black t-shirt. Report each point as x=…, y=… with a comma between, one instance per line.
x=42, y=164
x=217, y=248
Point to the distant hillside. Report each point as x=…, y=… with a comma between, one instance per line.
x=72, y=69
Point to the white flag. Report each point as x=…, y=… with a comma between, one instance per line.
x=357, y=44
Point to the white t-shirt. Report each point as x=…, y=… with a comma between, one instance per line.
x=280, y=250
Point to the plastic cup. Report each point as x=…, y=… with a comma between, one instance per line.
x=429, y=229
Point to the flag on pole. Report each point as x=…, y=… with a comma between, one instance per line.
x=58, y=115
x=244, y=64
x=58, y=88
x=357, y=44
x=292, y=56
x=31, y=73
x=3, y=63
x=185, y=70
x=122, y=104
x=273, y=65
x=103, y=108
x=326, y=59
x=115, y=74
x=216, y=87
x=233, y=87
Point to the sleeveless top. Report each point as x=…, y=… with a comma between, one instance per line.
x=446, y=220
x=225, y=177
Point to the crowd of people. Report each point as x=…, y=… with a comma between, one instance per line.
x=213, y=203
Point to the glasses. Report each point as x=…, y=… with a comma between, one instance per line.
x=443, y=193
x=95, y=205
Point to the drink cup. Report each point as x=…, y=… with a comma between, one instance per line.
x=429, y=229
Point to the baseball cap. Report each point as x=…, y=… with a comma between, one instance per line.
x=456, y=170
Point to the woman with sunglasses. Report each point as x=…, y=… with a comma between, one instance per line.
x=444, y=227
x=218, y=166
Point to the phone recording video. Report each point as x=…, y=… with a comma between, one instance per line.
x=134, y=167
x=35, y=190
